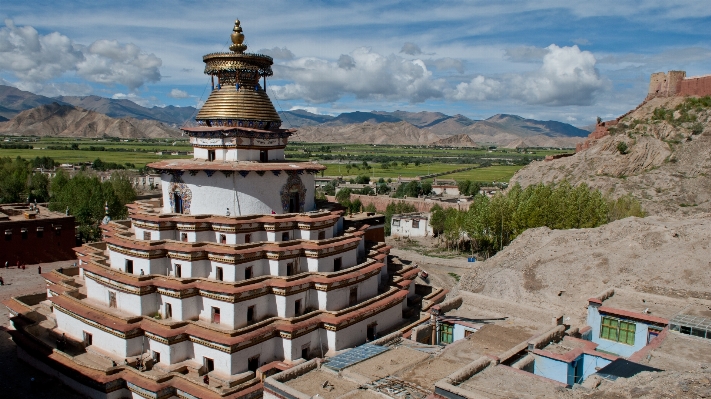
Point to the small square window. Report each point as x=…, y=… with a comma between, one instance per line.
x=147, y=235
x=396, y=222
x=321, y=235
x=247, y=238
x=415, y=224
x=223, y=239
x=248, y=273
x=23, y=233
x=337, y=263
x=184, y=237
x=178, y=271
x=285, y=236
x=218, y=274
x=251, y=317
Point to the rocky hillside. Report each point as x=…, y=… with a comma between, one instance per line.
x=460, y=140
x=660, y=153
x=68, y=121
x=401, y=133
x=561, y=269
x=175, y=116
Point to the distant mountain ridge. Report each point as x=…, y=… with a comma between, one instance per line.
x=396, y=127
x=64, y=120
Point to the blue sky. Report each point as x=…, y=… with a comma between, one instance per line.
x=568, y=61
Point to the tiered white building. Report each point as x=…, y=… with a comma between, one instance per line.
x=235, y=273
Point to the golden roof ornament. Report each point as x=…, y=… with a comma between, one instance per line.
x=237, y=39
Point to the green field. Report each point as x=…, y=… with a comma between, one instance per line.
x=498, y=173
x=496, y=164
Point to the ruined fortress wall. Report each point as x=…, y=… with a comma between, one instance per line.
x=697, y=86
x=675, y=83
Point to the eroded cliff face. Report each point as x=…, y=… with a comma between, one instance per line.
x=666, y=164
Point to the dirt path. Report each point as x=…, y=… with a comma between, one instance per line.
x=15, y=375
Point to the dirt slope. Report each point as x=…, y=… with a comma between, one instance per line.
x=666, y=166
x=68, y=121
x=366, y=133
x=655, y=254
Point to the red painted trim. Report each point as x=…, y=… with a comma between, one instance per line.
x=633, y=315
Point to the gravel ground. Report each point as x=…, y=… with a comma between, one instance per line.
x=15, y=375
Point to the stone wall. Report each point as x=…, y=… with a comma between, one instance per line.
x=675, y=83
x=420, y=204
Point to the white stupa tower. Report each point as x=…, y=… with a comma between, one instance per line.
x=234, y=274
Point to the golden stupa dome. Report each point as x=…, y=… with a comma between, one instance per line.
x=238, y=98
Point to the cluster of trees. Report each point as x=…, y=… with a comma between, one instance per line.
x=100, y=165
x=15, y=146
x=343, y=197
x=413, y=189
x=83, y=195
x=468, y=187
x=492, y=223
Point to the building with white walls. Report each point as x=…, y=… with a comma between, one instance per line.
x=411, y=225
x=235, y=273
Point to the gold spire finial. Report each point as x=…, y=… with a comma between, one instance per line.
x=237, y=39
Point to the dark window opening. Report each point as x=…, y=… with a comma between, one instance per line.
x=184, y=237
x=209, y=364
x=305, y=353
x=178, y=271
x=58, y=231
x=223, y=239
x=290, y=269
x=337, y=264
x=263, y=156
x=321, y=235
x=294, y=205
x=285, y=236
x=168, y=311
x=297, y=307
x=210, y=155
x=415, y=224
x=23, y=233
x=147, y=235
x=248, y=273
x=87, y=339
x=247, y=238
x=156, y=357
x=177, y=203
x=40, y=232
x=112, y=299
x=250, y=314
x=370, y=333
x=215, y=315
x=129, y=266
x=8, y=235
x=353, y=296
x=218, y=274
x=253, y=363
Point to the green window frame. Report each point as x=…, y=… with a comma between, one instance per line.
x=617, y=330
x=446, y=333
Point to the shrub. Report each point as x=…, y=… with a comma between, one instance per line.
x=622, y=147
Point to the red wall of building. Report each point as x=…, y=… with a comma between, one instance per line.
x=51, y=247
x=696, y=86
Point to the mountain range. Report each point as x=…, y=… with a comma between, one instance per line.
x=25, y=113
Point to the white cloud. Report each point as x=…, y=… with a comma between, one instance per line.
x=443, y=64
x=525, y=53
x=177, y=93
x=567, y=77
x=411, y=49
x=278, y=53
x=313, y=110
x=365, y=75
x=32, y=57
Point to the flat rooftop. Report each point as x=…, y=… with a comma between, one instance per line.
x=657, y=305
x=679, y=352
x=16, y=212
x=506, y=382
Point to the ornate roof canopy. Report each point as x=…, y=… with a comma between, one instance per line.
x=237, y=98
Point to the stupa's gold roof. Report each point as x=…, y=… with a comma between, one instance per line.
x=237, y=98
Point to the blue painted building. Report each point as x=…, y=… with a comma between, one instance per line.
x=620, y=331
